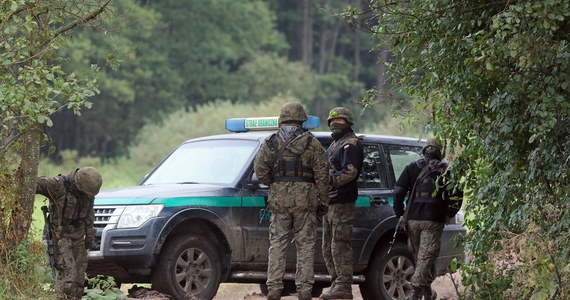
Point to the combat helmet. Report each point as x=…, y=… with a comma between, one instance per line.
x=292, y=111
x=432, y=146
x=340, y=112
x=88, y=180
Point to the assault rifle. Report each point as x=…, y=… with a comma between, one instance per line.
x=48, y=237
x=396, y=230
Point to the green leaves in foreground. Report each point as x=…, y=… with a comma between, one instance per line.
x=492, y=77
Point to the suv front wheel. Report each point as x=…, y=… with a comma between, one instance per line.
x=388, y=276
x=188, y=265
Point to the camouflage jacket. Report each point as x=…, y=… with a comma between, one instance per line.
x=71, y=211
x=291, y=196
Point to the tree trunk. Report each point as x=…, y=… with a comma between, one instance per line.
x=323, y=41
x=332, y=48
x=357, y=33
x=26, y=177
x=307, y=33
x=381, y=67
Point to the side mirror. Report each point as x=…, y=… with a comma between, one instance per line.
x=253, y=183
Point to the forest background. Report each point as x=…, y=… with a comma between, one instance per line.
x=491, y=77
x=176, y=70
x=118, y=84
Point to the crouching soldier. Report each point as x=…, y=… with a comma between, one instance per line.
x=70, y=225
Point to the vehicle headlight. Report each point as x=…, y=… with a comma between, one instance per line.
x=136, y=215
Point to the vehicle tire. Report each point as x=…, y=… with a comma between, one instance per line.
x=289, y=288
x=388, y=275
x=188, y=264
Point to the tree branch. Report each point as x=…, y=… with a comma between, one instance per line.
x=81, y=21
x=10, y=15
x=75, y=23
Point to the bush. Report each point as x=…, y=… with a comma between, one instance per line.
x=25, y=273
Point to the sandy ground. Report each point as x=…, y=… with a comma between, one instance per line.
x=443, y=285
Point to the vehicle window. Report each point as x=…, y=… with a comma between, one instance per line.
x=373, y=175
x=401, y=157
x=213, y=162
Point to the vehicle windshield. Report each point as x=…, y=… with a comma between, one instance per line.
x=212, y=162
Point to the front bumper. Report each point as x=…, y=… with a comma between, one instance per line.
x=123, y=252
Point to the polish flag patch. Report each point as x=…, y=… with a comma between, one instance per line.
x=346, y=147
x=56, y=178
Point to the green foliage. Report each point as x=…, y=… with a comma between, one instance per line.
x=269, y=75
x=32, y=85
x=155, y=141
x=492, y=79
x=26, y=275
x=116, y=173
x=172, y=54
x=179, y=54
x=103, y=288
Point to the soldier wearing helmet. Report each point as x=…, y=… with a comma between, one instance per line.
x=429, y=208
x=293, y=163
x=346, y=158
x=70, y=223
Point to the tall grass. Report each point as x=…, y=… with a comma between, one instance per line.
x=25, y=274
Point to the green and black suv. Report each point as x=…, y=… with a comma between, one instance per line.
x=200, y=219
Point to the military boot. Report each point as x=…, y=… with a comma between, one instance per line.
x=416, y=293
x=428, y=293
x=305, y=295
x=332, y=287
x=339, y=292
x=274, y=295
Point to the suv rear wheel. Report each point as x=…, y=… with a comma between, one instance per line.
x=388, y=276
x=188, y=264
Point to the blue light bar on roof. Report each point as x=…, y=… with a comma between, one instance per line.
x=265, y=123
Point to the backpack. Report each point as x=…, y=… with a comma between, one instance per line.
x=426, y=188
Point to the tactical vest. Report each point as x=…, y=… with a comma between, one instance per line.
x=289, y=165
x=426, y=188
x=71, y=209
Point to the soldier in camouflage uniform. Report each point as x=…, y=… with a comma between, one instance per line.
x=430, y=209
x=346, y=158
x=71, y=224
x=293, y=163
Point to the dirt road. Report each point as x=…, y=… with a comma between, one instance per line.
x=239, y=291
x=234, y=291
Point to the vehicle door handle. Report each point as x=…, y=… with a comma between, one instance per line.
x=377, y=201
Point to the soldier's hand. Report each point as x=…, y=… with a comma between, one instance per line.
x=89, y=242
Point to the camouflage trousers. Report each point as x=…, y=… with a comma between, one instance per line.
x=71, y=263
x=304, y=226
x=337, y=246
x=424, y=239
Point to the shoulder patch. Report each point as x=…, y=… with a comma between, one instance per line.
x=56, y=178
x=346, y=146
x=272, y=143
